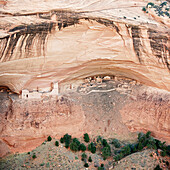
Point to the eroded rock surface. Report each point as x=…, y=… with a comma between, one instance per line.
x=62, y=41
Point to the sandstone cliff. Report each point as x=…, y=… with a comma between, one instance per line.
x=66, y=41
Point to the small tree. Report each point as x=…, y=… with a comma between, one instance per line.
x=163, y=153
x=86, y=165
x=86, y=138
x=140, y=147
x=139, y=136
x=66, y=144
x=34, y=156
x=106, y=152
x=83, y=156
x=82, y=147
x=148, y=134
x=56, y=143
x=116, y=143
x=104, y=142
x=67, y=138
x=126, y=150
x=74, y=146
x=158, y=167
x=75, y=140
x=49, y=138
x=62, y=140
x=90, y=159
x=92, y=148
x=102, y=165
x=118, y=157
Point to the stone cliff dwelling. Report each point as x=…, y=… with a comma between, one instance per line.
x=26, y=94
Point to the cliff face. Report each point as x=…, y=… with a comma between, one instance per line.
x=46, y=41
x=59, y=45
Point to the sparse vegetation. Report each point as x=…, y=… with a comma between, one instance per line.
x=160, y=10
x=105, y=148
x=144, y=140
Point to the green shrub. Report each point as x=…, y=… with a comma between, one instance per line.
x=28, y=153
x=126, y=150
x=34, y=156
x=106, y=152
x=168, y=150
x=163, y=153
x=157, y=168
x=151, y=4
x=49, y=138
x=86, y=138
x=163, y=4
x=82, y=147
x=140, y=146
x=116, y=143
x=67, y=138
x=93, y=149
x=139, y=135
x=67, y=144
x=47, y=165
x=76, y=158
x=62, y=140
x=90, y=159
x=90, y=146
x=167, y=163
x=75, y=140
x=56, y=143
x=83, y=156
x=100, y=168
x=42, y=164
x=74, y=146
x=43, y=143
x=118, y=157
x=86, y=165
x=104, y=142
x=144, y=9
x=148, y=134
x=133, y=148
x=99, y=139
